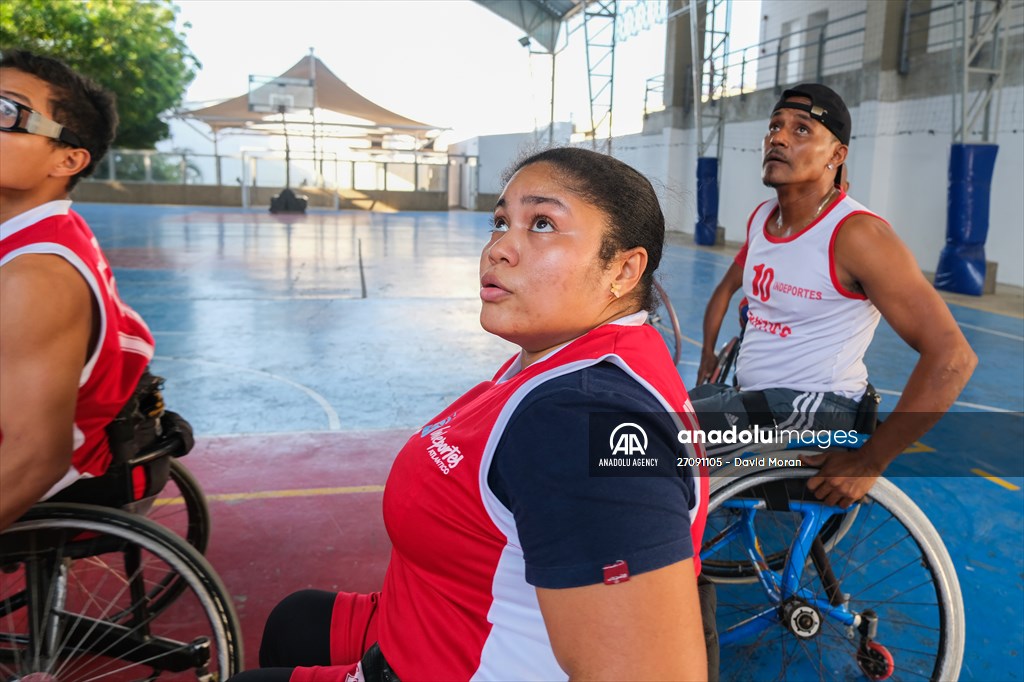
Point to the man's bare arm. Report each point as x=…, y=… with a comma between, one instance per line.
x=870, y=256
x=44, y=338
x=718, y=306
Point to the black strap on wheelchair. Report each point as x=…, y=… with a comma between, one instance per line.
x=375, y=667
x=866, y=420
x=142, y=438
x=758, y=411
x=145, y=435
x=138, y=424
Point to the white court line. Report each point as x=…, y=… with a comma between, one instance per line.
x=976, y=406
x=411, y=430
x=991, y=331
x=333, y=421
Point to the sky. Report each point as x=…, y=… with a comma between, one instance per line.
x=451, y=63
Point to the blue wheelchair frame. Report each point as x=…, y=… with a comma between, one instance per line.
x=781, y=586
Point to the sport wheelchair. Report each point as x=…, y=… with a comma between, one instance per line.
x=100, y=591
x=807, y=590
x=665, y=321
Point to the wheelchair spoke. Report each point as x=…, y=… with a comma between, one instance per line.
x=108, y=628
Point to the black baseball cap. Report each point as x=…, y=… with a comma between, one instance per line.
x=826, y=107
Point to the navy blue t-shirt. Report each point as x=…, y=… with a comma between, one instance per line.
x=570, y=523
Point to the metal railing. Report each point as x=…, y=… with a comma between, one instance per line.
x=930, y=28
x=847, y=55
x=654, y=95
x=831, y=47
x=413, y=172
x=827, y=48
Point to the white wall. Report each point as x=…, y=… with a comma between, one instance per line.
x=903, y=176
x=652, y=156
x=496, y=152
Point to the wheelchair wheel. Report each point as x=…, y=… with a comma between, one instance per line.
x=665, y=321
x=889, y=567
x=181, y=507
x=726, y=361
x=76, y=593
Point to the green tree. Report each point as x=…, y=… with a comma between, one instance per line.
x=130, y=46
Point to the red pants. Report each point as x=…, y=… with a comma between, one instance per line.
x=353, y=631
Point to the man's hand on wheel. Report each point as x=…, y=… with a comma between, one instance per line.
x=843, y=478
x=708, y=362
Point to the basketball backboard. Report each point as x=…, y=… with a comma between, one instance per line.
x=274, y=94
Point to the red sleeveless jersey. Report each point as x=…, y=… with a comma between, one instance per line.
x=455, y=602
x=124, y=347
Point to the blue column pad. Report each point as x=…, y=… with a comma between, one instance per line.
x=707, y=201
x=962, y=262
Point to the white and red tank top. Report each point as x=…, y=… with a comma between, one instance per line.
x=805, y=331
x=124, y=346
x=455, y=603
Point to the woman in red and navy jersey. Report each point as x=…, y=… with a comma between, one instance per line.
x=515, y=554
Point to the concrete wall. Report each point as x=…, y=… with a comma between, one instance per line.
x=793, y=26
x=898, y=165
x=213, y=195
x=663, y=158
x=149, y=193
x=902, y=123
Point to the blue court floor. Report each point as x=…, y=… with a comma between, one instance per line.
x=263, y=331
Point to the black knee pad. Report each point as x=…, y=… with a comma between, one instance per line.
x=298, y=631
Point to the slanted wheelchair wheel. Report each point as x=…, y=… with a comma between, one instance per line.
x=889, y=561
x=181, y=507
x=664, y=319
x=77, y=590
x=725, y=361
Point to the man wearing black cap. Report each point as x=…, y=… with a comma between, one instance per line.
x=818, y=269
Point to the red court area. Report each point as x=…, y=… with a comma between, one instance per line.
x=292, y=511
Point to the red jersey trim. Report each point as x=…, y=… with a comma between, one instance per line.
x=783, y=240
x=76, y=262
x=741, y=256
x=832, y=256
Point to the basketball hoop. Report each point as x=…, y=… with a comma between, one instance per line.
x=280, y=95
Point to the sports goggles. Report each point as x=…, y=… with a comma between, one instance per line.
x=17, y=118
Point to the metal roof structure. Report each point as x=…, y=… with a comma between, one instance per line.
x=540, y=19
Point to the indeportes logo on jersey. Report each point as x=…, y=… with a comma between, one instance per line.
x=445, y=455
x=430, y=428
x=764, y=283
